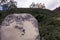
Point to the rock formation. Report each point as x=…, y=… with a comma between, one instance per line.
x=19, y=27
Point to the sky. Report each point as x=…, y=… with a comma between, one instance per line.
x=0, y=7
x=49, y=4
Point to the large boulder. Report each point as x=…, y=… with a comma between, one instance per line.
x=20, y=27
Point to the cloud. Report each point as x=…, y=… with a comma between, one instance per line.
x=52, y=4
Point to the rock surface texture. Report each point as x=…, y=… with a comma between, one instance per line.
x=19, y=27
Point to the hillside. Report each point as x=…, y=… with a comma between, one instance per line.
x=49, y=27
x=57, y=9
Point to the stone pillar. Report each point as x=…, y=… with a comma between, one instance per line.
x=20, y=27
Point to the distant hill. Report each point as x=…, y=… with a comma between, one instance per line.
x=57, y=9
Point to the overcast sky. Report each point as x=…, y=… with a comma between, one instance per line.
x=50, y=4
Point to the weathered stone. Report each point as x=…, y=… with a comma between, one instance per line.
x=19, y=27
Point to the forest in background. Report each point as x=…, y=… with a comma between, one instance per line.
x=49, y=22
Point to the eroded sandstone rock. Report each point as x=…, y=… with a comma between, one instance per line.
x=20, y=27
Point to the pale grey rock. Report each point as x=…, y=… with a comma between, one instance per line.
x=20, y=27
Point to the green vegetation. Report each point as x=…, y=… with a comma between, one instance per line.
x=49, y=27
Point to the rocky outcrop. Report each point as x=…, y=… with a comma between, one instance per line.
x=20, y=27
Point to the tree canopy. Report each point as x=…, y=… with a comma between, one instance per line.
x=8, y=4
